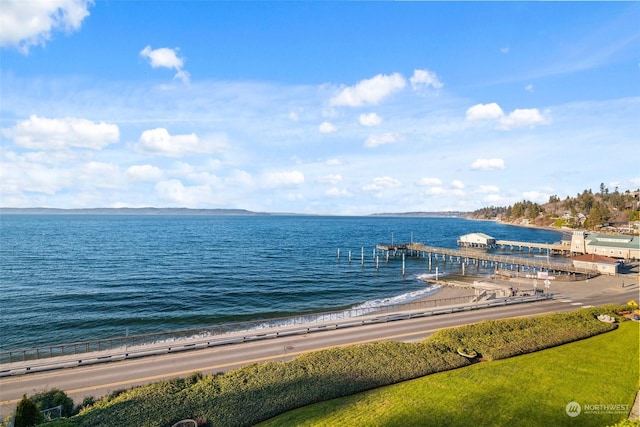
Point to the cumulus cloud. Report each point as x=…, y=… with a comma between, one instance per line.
x=42, y=133
x=329, y=179
x=456, y=183
x=423, y=79
x=336, y=192
x=145, y=173
x=426, y=181
x=385, y=138
x=333, y=162
x=282, y=179
x=487, y=164
x=530, y=117
x=370, y=91
x=177, y=194
x=159, y=141
x=326, y=127
x=493, y=199
x=535, y=196
x=529, y=88
x=166, y=58
x=485, y=112
x=371, y=119
x=27, y=23
x=381, y=183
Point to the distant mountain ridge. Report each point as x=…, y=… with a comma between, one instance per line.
x=127, y=211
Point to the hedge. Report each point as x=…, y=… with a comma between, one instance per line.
x=254, y=393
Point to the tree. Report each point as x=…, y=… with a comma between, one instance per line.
x=27, y=413
x=52, y=398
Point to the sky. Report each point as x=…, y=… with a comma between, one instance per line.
x=339, y=108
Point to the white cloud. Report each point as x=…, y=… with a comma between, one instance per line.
x=333, y=162
x=524, y=118
x=529, y=88
x=26, y=23
x=371, y=119
x=488, y=189
x=336, y=192
x=381, y=183
x=42, y=133
x=329, y=179
x=436, y=191
x=485, y=112
x=166, y=58
x=493, y=199
x=370, y=91
x=177, y=194
x=505, y=49
x=457, y=184
x=159, y=141
x=535, y=196
x=425, y=78
x=426, y=181
x=143, y=173
x=99, y=175
x=326, y=127
x=282, y=179
x=487, y=164
x=386, y=138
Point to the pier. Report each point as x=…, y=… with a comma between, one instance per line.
x=478, y=257
x=551, y=248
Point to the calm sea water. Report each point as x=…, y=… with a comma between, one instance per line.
x=66, y=278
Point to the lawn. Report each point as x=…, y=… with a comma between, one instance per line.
x=532, y=390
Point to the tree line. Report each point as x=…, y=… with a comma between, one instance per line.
x=587, y=209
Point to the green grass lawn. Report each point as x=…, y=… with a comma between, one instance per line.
x=529, y=390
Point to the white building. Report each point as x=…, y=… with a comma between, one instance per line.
x=477, y=240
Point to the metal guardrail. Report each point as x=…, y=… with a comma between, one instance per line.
x=407, y=311
x=81, y=347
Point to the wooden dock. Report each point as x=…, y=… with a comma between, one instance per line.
x=478, y=257
x=551, y=248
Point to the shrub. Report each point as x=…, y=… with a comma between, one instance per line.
x=27, y=413
x=255, y=393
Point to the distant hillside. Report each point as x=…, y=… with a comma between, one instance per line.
x=126, y=211
x=447, y=214
x=604, y=210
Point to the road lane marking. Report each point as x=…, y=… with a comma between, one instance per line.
x=223, y=365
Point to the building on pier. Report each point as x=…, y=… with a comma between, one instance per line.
x=477, y=240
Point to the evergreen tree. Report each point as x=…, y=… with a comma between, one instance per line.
x=27, y=414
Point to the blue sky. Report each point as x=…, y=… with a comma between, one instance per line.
x=316, y=107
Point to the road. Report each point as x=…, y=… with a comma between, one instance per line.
x=102, y=379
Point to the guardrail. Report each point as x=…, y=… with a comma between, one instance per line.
x=387, y=314
x=82, y=347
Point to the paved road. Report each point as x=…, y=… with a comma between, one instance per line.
x=99, y=380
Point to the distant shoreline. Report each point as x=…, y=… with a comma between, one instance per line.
x=126, y=211
x=195, y=211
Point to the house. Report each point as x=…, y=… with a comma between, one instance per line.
x=603, y=264
x=476, y=240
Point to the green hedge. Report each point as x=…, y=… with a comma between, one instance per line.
x=255, y=393
x=499, y=339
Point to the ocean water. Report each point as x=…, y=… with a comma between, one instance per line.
x=66, y=278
